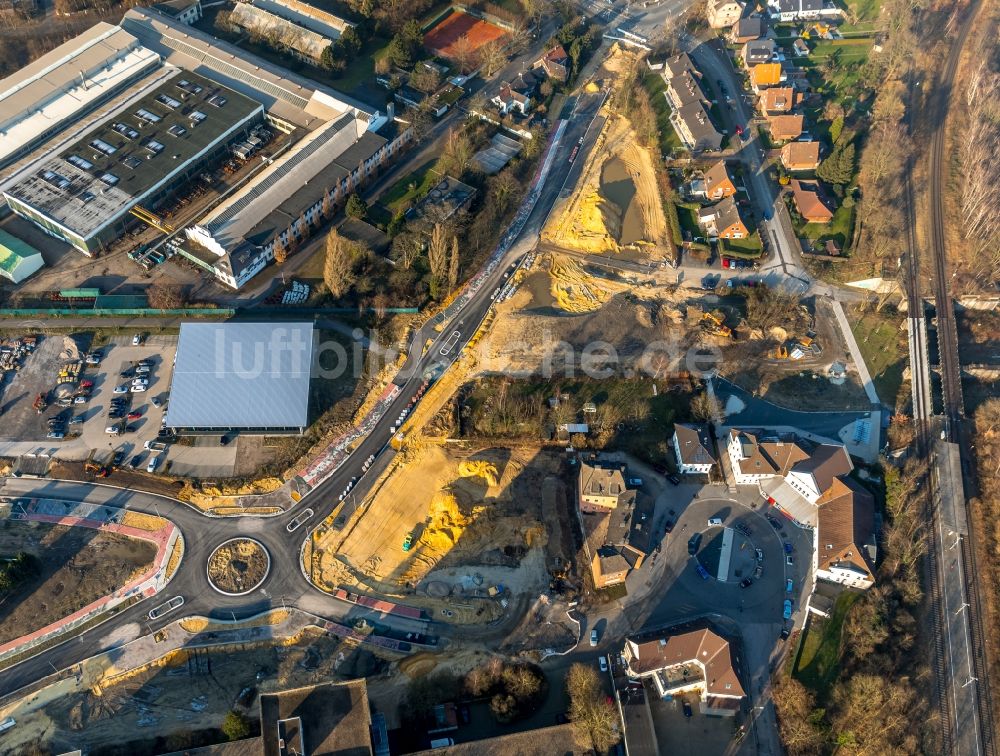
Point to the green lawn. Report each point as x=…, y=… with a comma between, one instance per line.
x=818, y=661
x=839, y=229
x=842, y=80
x=687, y=214
x=655, y=87
x=748, y=248
x=410, y=188
x=883, y=348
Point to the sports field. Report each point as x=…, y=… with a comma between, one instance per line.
x=443, y=38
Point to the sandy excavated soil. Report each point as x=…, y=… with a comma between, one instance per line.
x=78, y=566
x=477, y=519
x=592, y=221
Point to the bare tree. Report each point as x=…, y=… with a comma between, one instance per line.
x=492, y=57
x=280, y=250
x=453, y=265
x=464, y=54
x=437, y=251
x=166, y=296
x=592, y=716
x=338, y=267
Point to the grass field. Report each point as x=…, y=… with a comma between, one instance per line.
x=687, y=214
x=410, y=188
x=749, y=247
x=883, y=347
x=655, y=87
x=840, y=228
x=818, y=662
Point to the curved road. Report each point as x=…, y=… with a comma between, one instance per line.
x=287, y=585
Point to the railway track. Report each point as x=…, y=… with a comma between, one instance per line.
x=936, y=112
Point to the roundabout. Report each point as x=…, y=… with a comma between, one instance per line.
x=238, y=566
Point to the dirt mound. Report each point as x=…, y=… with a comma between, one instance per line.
x=417, y=665
x=446, y=522
x=779, y=334
x=479, y=468
x=575, y=291
x=238, y=566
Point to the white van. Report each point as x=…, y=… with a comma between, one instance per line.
x=442, y=742
x=715, y=521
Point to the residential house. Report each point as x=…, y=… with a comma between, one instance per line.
x=695, y=129
x=601, y=487
x=718, y=183
x=784, y=128
x=811, y=484
x=845, y=548
x=765, y=75
x=722, y=220
x=618, y=537
x=693, y=449
x=555, y=63
x=677, y=65
x=722, y=14
x=800, y=48
x=684, y=89
x=515, y=95
x=809, y=202
x=800, y=156
x=758, y=51
x=620, y=541
x=18, y=259
x=747, y=29
x=698, y=661
x=801, y=10
x=777, y=100
x=185, y=11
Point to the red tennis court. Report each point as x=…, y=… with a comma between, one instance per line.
x=442, y=38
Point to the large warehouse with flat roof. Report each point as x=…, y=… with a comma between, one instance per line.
x=249, y=377
x=82, y=193
x=61, y=86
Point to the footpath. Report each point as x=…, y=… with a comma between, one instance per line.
x=108, y=520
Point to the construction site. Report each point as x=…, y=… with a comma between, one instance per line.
x=457, y=532
x=615, y=204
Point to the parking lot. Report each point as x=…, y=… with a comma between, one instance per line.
x=133, y=414
x=117, y=372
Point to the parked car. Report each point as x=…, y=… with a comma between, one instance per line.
x=715, y=522
x=687, y=710
x=668, y=527
x=789, y=561
x=408, y=542
x=138, y=389
x=593, y=637
x=135, y=461
x=788, y=547
x=118, y=458
x=603, y=662
x=122, y=389
x=154, y=446
x=746, y=582
x=785, y=632
x=693, y=543
x=154, y=462
x=76, y=420
x=55, y=435
x=760, y=555
x=788, y=585
x=155, y=401
x=140, y=381
x=134, y=415
x=674, y=479
x=80, y=399
x=94, y=358
x=142, y=369
x=137, y=339
x=787, y=614
x=125, y=374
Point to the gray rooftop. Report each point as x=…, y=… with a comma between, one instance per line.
x=241, y=375
x=96, y=179
x=302, y=101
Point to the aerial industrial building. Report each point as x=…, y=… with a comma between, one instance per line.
x=57, y=89
x=164, y=102
x=83, y=193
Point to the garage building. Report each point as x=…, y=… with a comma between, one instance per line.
x=247, y=377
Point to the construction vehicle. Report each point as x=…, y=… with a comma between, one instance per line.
x=40, y=404
x=715, y=323
x=779, y=353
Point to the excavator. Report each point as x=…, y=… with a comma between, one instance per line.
x=716, y=324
